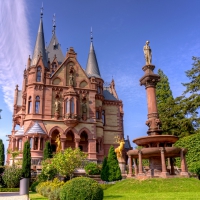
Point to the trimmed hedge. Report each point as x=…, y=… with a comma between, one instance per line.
x=9, y=189
x=81, y=188
x=93, y=169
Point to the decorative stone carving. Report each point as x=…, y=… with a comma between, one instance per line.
x=147, y=53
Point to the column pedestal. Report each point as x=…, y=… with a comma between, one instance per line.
x=122, y=165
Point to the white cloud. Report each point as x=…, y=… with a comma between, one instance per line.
x=14, y=46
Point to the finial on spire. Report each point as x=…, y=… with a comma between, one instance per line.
x=41, y=11
x=54, y=23
x=91, y=36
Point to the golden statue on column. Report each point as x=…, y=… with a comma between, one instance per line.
x=120, y=148
x=58, y=142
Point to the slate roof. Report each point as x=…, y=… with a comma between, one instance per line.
x=92, y=68
x=107, y=95
x=39, y=47
x=55, y=49
x=36, y=128
x=20, y=131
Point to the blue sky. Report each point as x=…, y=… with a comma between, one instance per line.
x=120, y=29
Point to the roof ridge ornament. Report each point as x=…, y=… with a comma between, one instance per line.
x=91, y=35
x=54, y=24
x=41, y=11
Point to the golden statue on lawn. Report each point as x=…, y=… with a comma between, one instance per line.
x=58, y=142
x=120, y=148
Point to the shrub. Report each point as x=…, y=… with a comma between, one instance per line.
x=114, y=172
x=50, y=189
x=26, y=164
x=104, y=171
x=33, y=186
x=81, y=188
x=11, y=176
x=93, y=169
x=9, y=189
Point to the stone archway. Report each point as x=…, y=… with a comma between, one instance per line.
x=83, y=144
x=70, y=140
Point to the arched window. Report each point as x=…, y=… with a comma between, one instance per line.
x=38, y=78
x=37, y=105
x=72, y=105
x=29, y=105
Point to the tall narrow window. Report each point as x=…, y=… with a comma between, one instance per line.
x=98, y=89
x=38, y=78
x=54, y=66
x=103, y=117
x=41, y=143
x=20, y=144
x=31, y=143
x=37, y=105
x=67, y=106
x=97, y=114
x=72, y=105
x=29, y=105
x=35, y=143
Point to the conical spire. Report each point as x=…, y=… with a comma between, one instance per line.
x=54, y=48
x=92, y=68
x=40, y=46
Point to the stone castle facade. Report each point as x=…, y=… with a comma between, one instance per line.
x=60, y=98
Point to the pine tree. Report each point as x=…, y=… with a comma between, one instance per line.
x=192, y=92
x=47, y=151
x=171, y=111
x=26, y=163
x=114, y=172
x=2, y=156
x=104, y=171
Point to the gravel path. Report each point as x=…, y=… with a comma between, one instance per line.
x=12, y=196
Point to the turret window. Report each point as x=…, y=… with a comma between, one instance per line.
x=72, y=105
x=67, y=106
x=29, y=105
x=37, y=105
x=38, y=78
x=103, y=117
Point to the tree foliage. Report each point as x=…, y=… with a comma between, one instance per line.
x=114, y=172
x=171, y=111
x=192, y=93
x=47, y=151
x=192, y=144
x=2, y=156
x=26, y=163
x=104, y=171
x=65, y=162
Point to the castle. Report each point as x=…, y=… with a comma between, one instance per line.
x=61, y=99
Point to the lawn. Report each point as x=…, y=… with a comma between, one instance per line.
x=132, y=189
x=173, y=188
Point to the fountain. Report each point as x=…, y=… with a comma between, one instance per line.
x=154, y=147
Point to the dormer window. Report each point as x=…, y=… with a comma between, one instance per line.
x=38, y=78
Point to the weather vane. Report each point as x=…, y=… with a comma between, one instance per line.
x=91, y=36
x=41, y=12
x=54, y=23
x=0, y=113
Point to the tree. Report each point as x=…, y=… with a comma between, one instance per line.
x=171, y=111
x=2, y=156
x=13, y=154
x=192, y=92
x=104, y=171
x=47, y=151
x=192, y=144
x=114, y=172
x=26, y=164
x=65, y=162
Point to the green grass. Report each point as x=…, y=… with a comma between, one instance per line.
x=150, y=189
x=176, y=188
x=36, y=196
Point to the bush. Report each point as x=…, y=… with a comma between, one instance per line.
x=11, y=176
x=50, y=189
x=33, y=186
x=92, y=169
x=81, y=188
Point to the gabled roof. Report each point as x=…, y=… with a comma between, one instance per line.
x=36, y=128
x=92, y=68
x=55, y=49
x=107, y=95
x=39, y=47
x=20, y=131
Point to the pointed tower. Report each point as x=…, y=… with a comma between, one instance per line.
x=39, y=49
x=54, y=49
x=92, y=68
